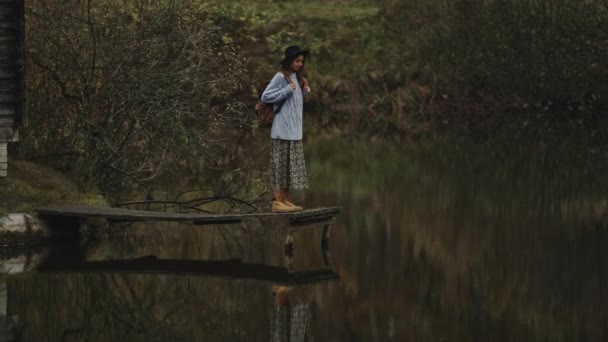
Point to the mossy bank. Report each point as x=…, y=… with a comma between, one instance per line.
x=30, y=184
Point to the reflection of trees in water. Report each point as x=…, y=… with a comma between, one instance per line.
x=136, y=308
x=463, y=243
x=531, y=276
x=252, y=241
x=121, y=307
x=443, y=266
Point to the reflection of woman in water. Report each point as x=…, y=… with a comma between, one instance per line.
x=288, y=322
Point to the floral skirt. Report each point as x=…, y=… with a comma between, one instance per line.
x=288, y=168
x=289, y=323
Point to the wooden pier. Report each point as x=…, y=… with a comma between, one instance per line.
x=304, y=217
x=229, y=269
x=317, y=217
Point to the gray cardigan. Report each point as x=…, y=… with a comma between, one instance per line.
x=287, y=124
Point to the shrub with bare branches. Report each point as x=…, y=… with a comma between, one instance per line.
x=123, y=93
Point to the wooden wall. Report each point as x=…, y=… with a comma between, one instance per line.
x=12, y=75
x=12, y=68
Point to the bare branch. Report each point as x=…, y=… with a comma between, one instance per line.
x=94, y=41
x=149, y=100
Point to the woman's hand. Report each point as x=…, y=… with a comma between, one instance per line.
x=305, y=87
x=292, y=86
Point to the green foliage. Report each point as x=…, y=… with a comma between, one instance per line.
x=131, y=91
x=30, y=184
x=499, y=61
x=514, y=176
x=418, y=68
x=123, y=307
x=253, y=13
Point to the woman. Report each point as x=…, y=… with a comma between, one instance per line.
x=289, y=321
x=286, y=91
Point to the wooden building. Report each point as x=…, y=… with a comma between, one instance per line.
x=12, y=76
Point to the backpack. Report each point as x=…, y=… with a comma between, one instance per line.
x=264, y=111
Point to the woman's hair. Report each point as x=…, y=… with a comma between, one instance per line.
x=286, y=68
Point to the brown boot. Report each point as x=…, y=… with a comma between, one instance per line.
x=295, y=207
x=280, y=207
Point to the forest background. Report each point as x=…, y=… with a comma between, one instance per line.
x=127, y=96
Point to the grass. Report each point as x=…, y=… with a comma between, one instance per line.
x=259, y=13
x=342, y=35
x=29, y=185
x=332, y=10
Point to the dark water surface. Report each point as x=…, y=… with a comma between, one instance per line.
x=457, y=245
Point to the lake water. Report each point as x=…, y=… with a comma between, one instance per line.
x=451, y=243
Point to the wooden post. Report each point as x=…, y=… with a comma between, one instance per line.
x=3, y=159
x=325, y=244
x=289, y=249
x=3, y=298
x=296, y=225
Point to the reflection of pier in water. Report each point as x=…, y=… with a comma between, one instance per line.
x=67, y=218
x=71, y=258
x=71, y=217
x=230, y=269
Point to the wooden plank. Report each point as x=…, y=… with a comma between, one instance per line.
x=234, y=269
x=7, y=8
x=8, y=24
x=8, y=85
x=8, y=48
x=8, y=57
x=7, y=96
x=8, y=134
x=6, y=61
x=10, y=12
x=7, y=38
x=7, y=111
x=8, y=34
x=8, y=42
x=119, y=214
x=9, y=70
x=6, y=122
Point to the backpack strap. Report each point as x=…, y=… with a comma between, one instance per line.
x=287, y=78
x=280, y=106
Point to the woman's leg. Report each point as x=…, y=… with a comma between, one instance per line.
x=287, y=200
x=277, y=163
x=279, y=196
x=282, y=172
x=279, y=205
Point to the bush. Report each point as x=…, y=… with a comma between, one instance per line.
x=496, y=60
x=126, y=92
